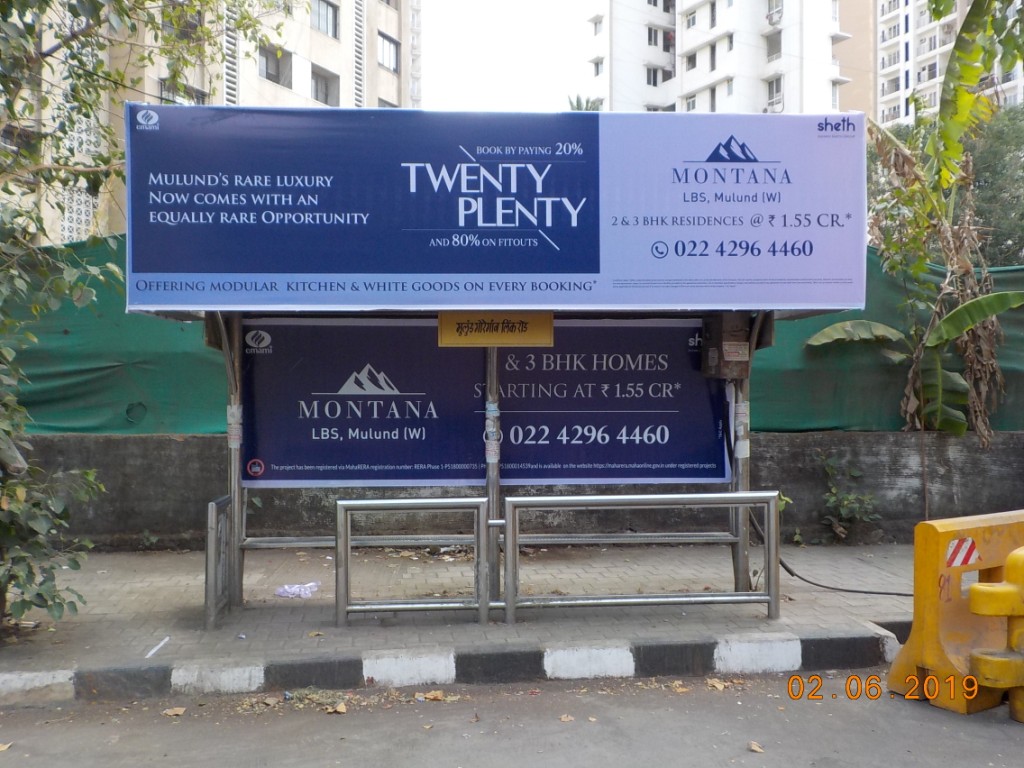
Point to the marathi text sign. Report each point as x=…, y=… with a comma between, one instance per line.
x=309, y=210
x=377, y=402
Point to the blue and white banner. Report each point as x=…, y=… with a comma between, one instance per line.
x=376, y=403
x=258, y=209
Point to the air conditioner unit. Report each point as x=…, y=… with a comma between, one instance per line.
x=775, y=17
x=774, y=105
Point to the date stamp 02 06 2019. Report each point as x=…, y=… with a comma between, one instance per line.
x=870, y=687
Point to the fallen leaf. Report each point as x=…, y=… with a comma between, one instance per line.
x=755, y=747
x=174, y=712
x=475, y=718
x=272, y=701
x=427, y=727
x=567, y=718
x=533, y=692
x=316, y=633
x=678, y=687
x=338, y=709
x=434, y=696
x=592, y=719
x=718, y=685
x=5, y=747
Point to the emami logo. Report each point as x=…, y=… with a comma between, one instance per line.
x=258, y=343
x=147, y=120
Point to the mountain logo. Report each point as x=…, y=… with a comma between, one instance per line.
x=732, y=150
x=369, y=381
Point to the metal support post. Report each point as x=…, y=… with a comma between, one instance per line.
x=492, y=450
x=739, y=522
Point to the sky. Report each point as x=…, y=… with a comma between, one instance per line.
x=502, y=55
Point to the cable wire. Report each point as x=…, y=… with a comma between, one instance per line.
x=792, y=572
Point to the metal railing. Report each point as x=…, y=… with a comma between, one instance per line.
x=768, y=500
x=345, y=605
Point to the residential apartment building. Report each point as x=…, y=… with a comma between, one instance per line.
x=330, y=53
x=913, y=50
x=718, y=55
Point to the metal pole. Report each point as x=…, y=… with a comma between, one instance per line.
x=511, y=562
x=739, y=521
x=492, y=450
x=342, y=551
x=231, y=344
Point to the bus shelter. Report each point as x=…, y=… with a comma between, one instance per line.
x=481, y=301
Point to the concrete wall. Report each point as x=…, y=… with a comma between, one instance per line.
x=160, y=485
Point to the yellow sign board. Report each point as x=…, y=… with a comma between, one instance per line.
x=502, y=329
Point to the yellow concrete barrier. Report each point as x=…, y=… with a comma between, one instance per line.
x=935, y=662
x=1003, y=667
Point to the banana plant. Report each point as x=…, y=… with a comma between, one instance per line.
x=933, y=399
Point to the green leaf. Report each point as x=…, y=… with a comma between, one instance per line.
x=855, y=330
x=972, y=312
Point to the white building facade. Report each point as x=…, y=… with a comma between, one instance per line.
x=913, y=50
x=330, y=53
x=716, y=55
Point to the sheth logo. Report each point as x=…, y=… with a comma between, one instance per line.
x=147, y=120
x=844, y=124
x=258, y=343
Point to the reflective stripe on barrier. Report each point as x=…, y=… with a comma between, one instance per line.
x=945, y=631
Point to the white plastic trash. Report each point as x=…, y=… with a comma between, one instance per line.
x=298, y=590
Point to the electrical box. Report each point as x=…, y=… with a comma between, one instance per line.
x=725, y=343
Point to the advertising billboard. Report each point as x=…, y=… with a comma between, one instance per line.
x=264, y=209
x=375, y=402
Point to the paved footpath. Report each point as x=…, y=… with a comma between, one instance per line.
x=141, y=632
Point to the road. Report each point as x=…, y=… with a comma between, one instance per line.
x=741, y=721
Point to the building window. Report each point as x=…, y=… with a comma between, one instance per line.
x=691, y=61
x=774, y=42
x=276, y=66
x=712, y=99
x=324, y=87
x=652, y=36
x=181, y=94
x=387, y=52
x=713, y=57
x=652, y=75
x=729, y=42
x=691, y=103
x=392, y=3
x=598, y=25
x=324, y=17
x=775, y=94
x=728, y=87
x=691, y=20
x=713, y=10
x=179, y=21
x=79, y=214
x=598, y=67
x=835, y=96
x=653, y=2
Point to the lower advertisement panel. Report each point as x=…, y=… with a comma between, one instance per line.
x=373, y=402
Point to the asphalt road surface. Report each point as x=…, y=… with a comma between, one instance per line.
x=735, y=721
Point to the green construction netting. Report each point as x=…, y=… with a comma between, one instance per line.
x=99, y=370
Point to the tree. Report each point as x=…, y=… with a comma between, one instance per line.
x=589, y=105
x=928, y=211
x=998, y=152
x=66, y=69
